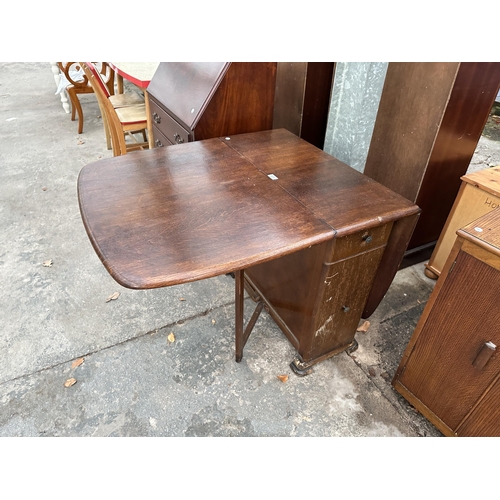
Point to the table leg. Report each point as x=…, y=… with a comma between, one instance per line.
x=149, y=124
x=241, y=336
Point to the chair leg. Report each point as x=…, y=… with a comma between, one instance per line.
x=75, y=105
x=106, y=131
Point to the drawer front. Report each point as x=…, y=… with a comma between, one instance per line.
x=171, y=129
x=159, y=139
x=346, y=287
x=362, y=241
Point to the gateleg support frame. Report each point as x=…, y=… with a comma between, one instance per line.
x=240, y=334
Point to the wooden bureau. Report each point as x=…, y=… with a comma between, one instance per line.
x=450, y=370
x=195, y=101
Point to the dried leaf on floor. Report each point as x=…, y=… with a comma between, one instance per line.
x=48, y=263
x=213, y=322
x=364, y=327
x=283, y=378
x=171, y=337
x=113, y=297
x=80, y=142
x=44, y=189
x=372, y=372
x=182, y=299
x=77, y=362
x=70, y=382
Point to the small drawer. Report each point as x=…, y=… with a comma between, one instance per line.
x=159, y=139
x=171, y=129
x=362, y=241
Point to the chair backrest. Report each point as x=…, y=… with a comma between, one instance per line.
x=70, y=69
x=107, y=110
x=98, y=78
x=106, y=75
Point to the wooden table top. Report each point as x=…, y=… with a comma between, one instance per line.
x=183, y=213
x=139, y=73
x=338, y=194
x=484, y=231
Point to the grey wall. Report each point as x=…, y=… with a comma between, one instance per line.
x=353, y=109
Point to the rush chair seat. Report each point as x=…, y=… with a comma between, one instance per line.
x=78, y=84
x=119, y=121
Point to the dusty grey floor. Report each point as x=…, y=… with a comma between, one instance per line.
x=133, y=381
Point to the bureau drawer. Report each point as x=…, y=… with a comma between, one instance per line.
x=159, y=139
x=171, y=129
x=362, y=241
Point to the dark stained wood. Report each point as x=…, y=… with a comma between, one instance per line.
x=242, y=103
x=211, y=99
x=340, y=305
x=299, y=291
x=430, y=118
x=439, y=372
x=317, y=102
x=473, y=94
x=289, y=96
x=341, y=196
x=302, y=99
x=179, y=214
x=413, y=101
x=185, y=88
x=310, y=241
x=391, y=261
x=290, y=288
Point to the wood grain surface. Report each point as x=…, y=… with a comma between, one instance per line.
x=344, y=198
x=183, y=213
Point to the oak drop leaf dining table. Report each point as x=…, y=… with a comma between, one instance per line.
x=314, y=241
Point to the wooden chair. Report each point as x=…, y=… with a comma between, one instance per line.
x=76, y=88
x=120, y=122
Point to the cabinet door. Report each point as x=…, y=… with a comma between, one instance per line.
x=485, y=419
x=465, y=315
x=346, y=287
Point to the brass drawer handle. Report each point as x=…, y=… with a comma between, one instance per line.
x=484, y=355
x=158, y=143
x=178, y=139
x=156, y=118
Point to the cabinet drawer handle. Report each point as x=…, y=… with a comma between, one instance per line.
x=178, y=139
x=484, y=355
x=346, y=309
x=158, y=143
x=367, y=238
x=156, y=118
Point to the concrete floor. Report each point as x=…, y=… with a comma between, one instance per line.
x=133, y=381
